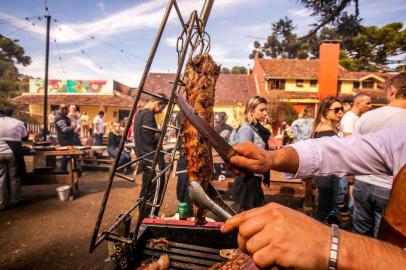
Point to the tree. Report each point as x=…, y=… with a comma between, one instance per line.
x=282, y=43
x=11, y=82
x=225, y=70
x=362, y=47
x=331, y=12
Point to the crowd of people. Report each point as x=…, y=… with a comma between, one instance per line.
x=368, y=144
x=351, y=152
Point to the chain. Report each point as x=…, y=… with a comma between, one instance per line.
x=119, y=256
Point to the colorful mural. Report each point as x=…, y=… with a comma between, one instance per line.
x=69, y=86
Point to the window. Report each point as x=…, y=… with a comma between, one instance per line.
x=278, y=84
x=313, y=83
x=299, y=83
x=368, y=84
x=356, y=85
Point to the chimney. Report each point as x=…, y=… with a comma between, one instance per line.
x=328, y=68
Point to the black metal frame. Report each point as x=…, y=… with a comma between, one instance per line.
x=195, y=37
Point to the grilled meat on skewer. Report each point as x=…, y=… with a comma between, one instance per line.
x=201, y=76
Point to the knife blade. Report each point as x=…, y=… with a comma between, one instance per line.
x=224, y=150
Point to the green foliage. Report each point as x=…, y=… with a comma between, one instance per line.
x=11, y=82
x=225, y=70
x=239, y=70
x=331, y=12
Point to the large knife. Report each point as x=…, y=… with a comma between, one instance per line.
x=224, y=150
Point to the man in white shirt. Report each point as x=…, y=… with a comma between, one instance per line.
x=362, y=104
x=12, y=165
x=98, y=128
x=371, y=192
x=275, y=235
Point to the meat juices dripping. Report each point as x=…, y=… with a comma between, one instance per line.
x=201, y=76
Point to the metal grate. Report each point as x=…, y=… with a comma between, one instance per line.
x=192, y=40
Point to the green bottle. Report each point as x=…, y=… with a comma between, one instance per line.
x=182, y=210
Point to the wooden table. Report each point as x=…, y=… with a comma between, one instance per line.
x=48, y=176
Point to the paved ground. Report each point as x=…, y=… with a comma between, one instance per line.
x=45, y=233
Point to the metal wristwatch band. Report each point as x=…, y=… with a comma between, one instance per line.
x=334, y=245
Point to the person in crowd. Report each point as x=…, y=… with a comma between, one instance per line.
x=275, y=234
x=371, y=192
x=268, y=124
x=146, y=142
x=182, y=185
x=65, y=132
x=347, y=103
x=302, y=127
x=84, y=125
x=220, y=125
x=114, y=139
x=248, y=193
x=51, y=120
x=75, y=117
x=98, y=128
x=12, y=166
x=361, y=104
x=327, y=119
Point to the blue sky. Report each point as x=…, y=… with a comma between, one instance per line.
x=132, y=25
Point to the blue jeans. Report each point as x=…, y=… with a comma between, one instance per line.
x=124, y=158
x=64, y=164
x=327, y=187
x=98, y=139
x=369, y=202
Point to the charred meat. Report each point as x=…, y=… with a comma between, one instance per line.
x=161, y=264
x=238, y=260
x=161, y=243
x=201, y=76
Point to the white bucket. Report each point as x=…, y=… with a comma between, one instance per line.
x=63, y=193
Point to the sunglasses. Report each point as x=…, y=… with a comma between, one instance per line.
x=337, y=110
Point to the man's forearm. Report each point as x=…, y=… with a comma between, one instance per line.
x=361, y=252
x=284, y=160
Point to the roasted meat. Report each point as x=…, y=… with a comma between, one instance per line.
x=238, y=260
x=201, y=76
x=161, y=243
x=161, y=264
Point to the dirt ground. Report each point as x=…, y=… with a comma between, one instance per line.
x=45, y=233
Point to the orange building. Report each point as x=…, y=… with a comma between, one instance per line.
x=306, y=82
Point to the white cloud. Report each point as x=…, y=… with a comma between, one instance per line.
x=102, y=7
x=87, y=63
x=171, y=41
x=300, y=13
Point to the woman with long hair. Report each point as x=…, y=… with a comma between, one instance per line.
x=248, y=193
x=326, y=123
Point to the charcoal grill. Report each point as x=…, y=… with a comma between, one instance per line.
x=190, y=246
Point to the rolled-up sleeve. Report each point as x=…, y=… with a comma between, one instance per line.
x=378, y=153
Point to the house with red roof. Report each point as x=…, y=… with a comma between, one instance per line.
x=306, y=82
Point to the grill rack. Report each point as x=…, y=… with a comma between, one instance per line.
x=195, y=38
x=190, y=246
